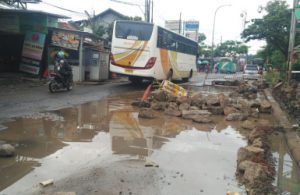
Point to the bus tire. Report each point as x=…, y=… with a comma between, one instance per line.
x=170, y=75
x=188, y=78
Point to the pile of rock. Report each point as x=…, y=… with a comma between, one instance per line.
x=7, y=150
x=289, y=96
x=254, y=167
x=200, y=107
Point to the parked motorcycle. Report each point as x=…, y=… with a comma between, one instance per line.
x=58, y=82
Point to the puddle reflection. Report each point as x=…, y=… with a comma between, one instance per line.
x=59, y=143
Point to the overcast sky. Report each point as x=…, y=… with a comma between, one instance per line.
x=228, y=26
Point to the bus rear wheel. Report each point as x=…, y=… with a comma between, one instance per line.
x=188, y=78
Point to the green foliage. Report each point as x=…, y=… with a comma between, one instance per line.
x=99, y=30
x=204, y=50
x=278, y=59
x=273, y=27
x=136, y=18
x=107, y=30
x=231, y=47
x=273, y=76
x=201, y=38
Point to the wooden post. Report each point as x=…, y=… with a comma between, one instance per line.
x=292, y=42
x=81, y=74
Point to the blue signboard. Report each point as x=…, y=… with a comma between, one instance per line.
x=192, y=25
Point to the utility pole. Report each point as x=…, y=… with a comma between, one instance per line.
x=152, y=11
x=179, y=24
x=213, y=33
x=292, y=41
x=146, y=10
x=134, y=4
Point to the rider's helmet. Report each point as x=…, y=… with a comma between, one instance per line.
x=61, y=54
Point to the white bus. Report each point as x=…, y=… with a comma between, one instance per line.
x=146, y=51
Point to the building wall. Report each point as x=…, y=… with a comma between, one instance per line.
x=107, y=19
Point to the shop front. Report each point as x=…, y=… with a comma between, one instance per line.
x=83, y=51
x=23, y=38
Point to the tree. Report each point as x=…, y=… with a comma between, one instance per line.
x=273, y=27
x=231, y=47
x=201, y=38
x=106, y=31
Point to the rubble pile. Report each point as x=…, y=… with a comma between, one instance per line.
x=254, y=167
x=7, y=150
x=289, y=97
x=199, y=107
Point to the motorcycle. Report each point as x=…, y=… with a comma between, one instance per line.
x=58, y=83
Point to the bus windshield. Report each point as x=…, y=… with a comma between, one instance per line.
x=133, y=30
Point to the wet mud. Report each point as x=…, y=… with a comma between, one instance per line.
x=102, y=147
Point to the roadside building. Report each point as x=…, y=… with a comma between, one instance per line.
x=103, y=19
x=29, y=39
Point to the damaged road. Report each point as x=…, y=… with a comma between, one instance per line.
x=106, y=147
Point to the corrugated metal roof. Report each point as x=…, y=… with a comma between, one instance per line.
x=6, y=6
x=20, y=11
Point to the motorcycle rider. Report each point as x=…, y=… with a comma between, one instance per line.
x=65, y=71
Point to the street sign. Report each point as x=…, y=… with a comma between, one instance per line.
x=191, y=25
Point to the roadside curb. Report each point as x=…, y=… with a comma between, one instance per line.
x=292, y=137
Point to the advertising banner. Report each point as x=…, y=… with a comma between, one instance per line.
x=32, y=52
x=33, y=45
x=173, y=25
x=65, y=39
x=192, y=35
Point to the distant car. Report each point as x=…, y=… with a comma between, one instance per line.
x=251, y=71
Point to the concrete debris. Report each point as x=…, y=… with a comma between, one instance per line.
x=159, y=95
x=181, y=100
x=232, y=193
x=47, y=182
x=151, y=164
x=201, y=119
x=265, y=107
x=184, y=106
x=216, y=110
x=236, y=117
x=254, y=163
x=146, y=113
x=7, y=150
x=249, y=125
x=191, y=114
x=159, y=105
x=229, y=110
x=46, y=116
x=212, y=101
x=250, y=152
x=173, y=112
x=237, y=106
x=64, y=193
x=141, y=104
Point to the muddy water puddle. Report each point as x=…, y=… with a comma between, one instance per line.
x=107, y=139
